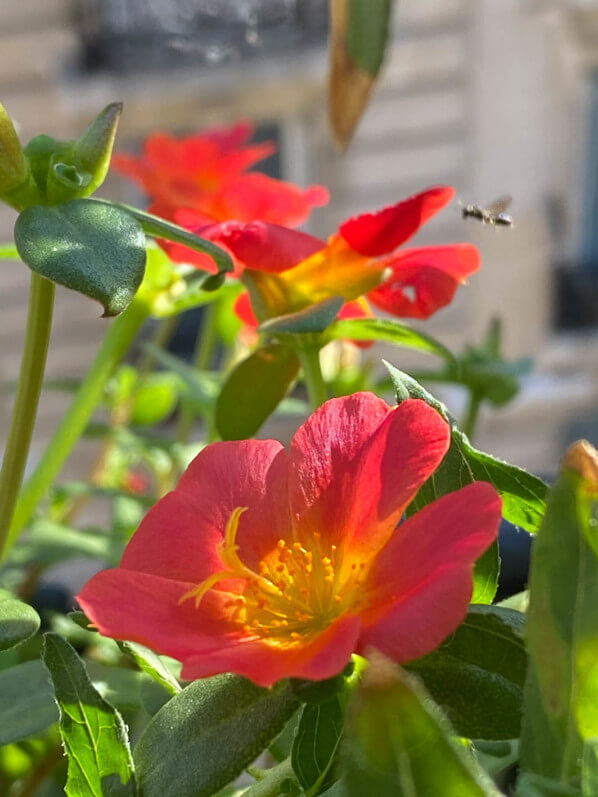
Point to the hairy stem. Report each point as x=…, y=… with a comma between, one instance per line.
x=312, y=374
x=202, y=359
x=272, y=781
x=33, y=364
x=117, y=341
x=471, y=416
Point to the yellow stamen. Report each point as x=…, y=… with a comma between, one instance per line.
x=296, y=590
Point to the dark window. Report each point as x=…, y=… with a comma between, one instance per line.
x=589, y=251
x=132, y=35
x=576, y=283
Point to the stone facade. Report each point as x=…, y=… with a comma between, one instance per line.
x=483, y=95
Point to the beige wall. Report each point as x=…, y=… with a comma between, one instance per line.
x=481, y=94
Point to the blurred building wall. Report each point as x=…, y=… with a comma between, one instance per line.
x=487, y=96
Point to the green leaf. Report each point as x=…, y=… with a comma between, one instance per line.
x=153, y=696
x=386, y=330
x=253, y=390
x=561, y=692
x=86, y=245
x=27, y=704
x=49, y=542
x=311, y=320
x=316, y=743
x=92, y=731
x=203, y=738
x=159, y=228
x=18, y=621
x=398, y=743
x=530, y=785
x=522, y=493
x=358, y=37
x=483, y=371
x=150, y=663
x=367, y=33
x=119, y=686
x=589, y=768
x=477, y=675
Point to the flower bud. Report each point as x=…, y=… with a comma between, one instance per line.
x=76, y=170
x=582, y=458
x=92, y=151
x=13, y=164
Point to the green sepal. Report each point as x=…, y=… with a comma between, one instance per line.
x=309, y=321
x=65, y=170
x=397, y=743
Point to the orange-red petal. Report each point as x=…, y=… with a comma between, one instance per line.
x=424, y=280
x=265, y=247
x=356, y=463
x=420, y=584
x=264, y=663
x=241, y=473
x=138, y=607
x=183, y=550
x=252, y=196
x=378, y=233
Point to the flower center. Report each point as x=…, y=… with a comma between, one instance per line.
x=295, y=591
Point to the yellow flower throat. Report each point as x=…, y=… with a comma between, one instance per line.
x=294, y=592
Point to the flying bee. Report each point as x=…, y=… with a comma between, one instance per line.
x=493, y=214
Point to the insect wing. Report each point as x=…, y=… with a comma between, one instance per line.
x=499, y=205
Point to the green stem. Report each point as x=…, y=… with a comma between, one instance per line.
x=312, y=374
x=37, y=337
x=471, y=416
x=270, y=785
x=117, y=341
x=203, y=355
x=164, y=332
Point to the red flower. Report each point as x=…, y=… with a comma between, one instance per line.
x=272, y=564
x=287, y=270
x=201, y=179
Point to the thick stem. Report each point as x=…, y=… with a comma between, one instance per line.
x=270, y=785
x=471, y=416
x=117, y=341
x=202, y=359
x=312, y=374
x=164, y=332
x=33, y=364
